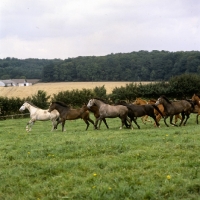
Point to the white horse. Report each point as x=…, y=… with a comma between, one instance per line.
x=38, y=114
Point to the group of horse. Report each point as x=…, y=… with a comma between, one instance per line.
x=59, y=112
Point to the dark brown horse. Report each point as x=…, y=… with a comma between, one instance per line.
x=67, y=113
x=140, y=110
x=172, y=108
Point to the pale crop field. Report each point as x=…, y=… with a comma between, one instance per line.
x=54, y=88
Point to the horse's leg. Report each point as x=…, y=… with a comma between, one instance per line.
x=57, y=121
x=123, y=119
x=187, y=117
x=176, y=118
x=63, y=124
x=29, y=125
x=53, y=121
x=183, y=117
x=122, y=122
x=96, y=123
x=146, y=118
x=87, y=123
x=171, y=120
x=158, y=117
x=143, y=121
x=134, y=120
x=155, y=120
x=104, y=120
x=100, y=120
x=197, y=118
x=165, y=118
x=91, y=121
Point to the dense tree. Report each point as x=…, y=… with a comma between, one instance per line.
x=134, y=66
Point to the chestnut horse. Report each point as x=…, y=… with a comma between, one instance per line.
x=196, y=100
x=67, y=113
x=140, y=101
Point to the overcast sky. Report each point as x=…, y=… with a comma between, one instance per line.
x=70, y=28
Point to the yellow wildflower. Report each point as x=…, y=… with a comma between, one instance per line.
x=168, y=177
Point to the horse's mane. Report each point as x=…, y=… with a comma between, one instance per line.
x=191, y=102
x=61, y=104
x=31, y=104
x=164, y=97
x=103, y=100
x=152, y=100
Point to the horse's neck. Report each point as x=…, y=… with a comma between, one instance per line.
x=31, y=109
x=83, y=109
x=197, y=101
x=99, y=103
x=60, y=109
x=142, y=102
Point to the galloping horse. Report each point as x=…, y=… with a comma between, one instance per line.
x=161, y=108
x=140, y=110
x=38, y=114
x=67, y=113
x=196, y=100
x=109, y=111
x=172, y=108
x=94, y=109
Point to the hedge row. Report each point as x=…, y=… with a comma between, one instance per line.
x=180, y=87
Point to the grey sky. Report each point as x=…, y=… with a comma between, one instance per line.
x=69, y=28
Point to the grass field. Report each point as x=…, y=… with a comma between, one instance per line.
x=54, y=88
x=150, y=163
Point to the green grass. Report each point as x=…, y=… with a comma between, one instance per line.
x=150, y=163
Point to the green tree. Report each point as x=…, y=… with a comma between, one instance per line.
x=40, y=99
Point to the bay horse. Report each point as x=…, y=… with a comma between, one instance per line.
x=172, y=108
x=38, y=114
x=196, y=100
x=68, y=113
x=109, y=111
x=140, y=110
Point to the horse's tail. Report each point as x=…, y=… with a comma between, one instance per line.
x=158, y=110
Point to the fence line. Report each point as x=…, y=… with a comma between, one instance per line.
x=14, y=116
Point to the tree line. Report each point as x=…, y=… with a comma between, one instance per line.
x=134, y=66
x=178, y=87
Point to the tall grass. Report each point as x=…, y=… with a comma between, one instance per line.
x=150, y=163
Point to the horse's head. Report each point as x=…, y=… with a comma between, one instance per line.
x=158, y=101
x=51, y=107
x=90, y=103
x=196, y=99
x=23, y=107
x=136, y=101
